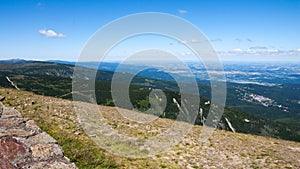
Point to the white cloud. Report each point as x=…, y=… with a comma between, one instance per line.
x=272, y=51
x=259, y=51
x=51, y=33
x=195, y=41
x=190, y=41
x=250, y=51
x=182, y=11
x=184, y=41
x=186, y=53
x=237, y=50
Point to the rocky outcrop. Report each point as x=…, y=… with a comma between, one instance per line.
x=24, y=145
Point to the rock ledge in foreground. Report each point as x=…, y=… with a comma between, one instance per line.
x=24, y=145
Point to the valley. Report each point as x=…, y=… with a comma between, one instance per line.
x=55, y=79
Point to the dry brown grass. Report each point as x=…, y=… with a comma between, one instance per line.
x=222, y=150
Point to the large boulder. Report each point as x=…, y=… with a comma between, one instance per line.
x=24, y=145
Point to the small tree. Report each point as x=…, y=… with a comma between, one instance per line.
x=144, y=105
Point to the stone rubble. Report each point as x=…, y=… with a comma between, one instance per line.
x=24, y=145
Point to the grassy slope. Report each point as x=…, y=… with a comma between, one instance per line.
x=61, y=87
x=223, y=149
x=53, y=79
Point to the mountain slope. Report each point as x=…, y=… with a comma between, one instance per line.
x=53, y=79
x=222, y=150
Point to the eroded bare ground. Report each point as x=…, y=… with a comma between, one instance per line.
x=222, y=150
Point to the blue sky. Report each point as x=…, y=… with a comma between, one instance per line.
x=238, y=29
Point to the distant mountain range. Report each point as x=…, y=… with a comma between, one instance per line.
x=11, y=61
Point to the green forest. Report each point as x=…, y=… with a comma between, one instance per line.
x=42, y=80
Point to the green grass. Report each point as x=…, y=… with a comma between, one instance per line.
x=83, y=152
x=80, y=148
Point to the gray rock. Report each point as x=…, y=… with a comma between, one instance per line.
x=35, y=165
x=24, y=145
x=41, y=138
x=1, y=109
x=17, y=132
x=59, y=165
x=11, y=122
x=46, y=152
x=10, y=112
x=31, y=126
